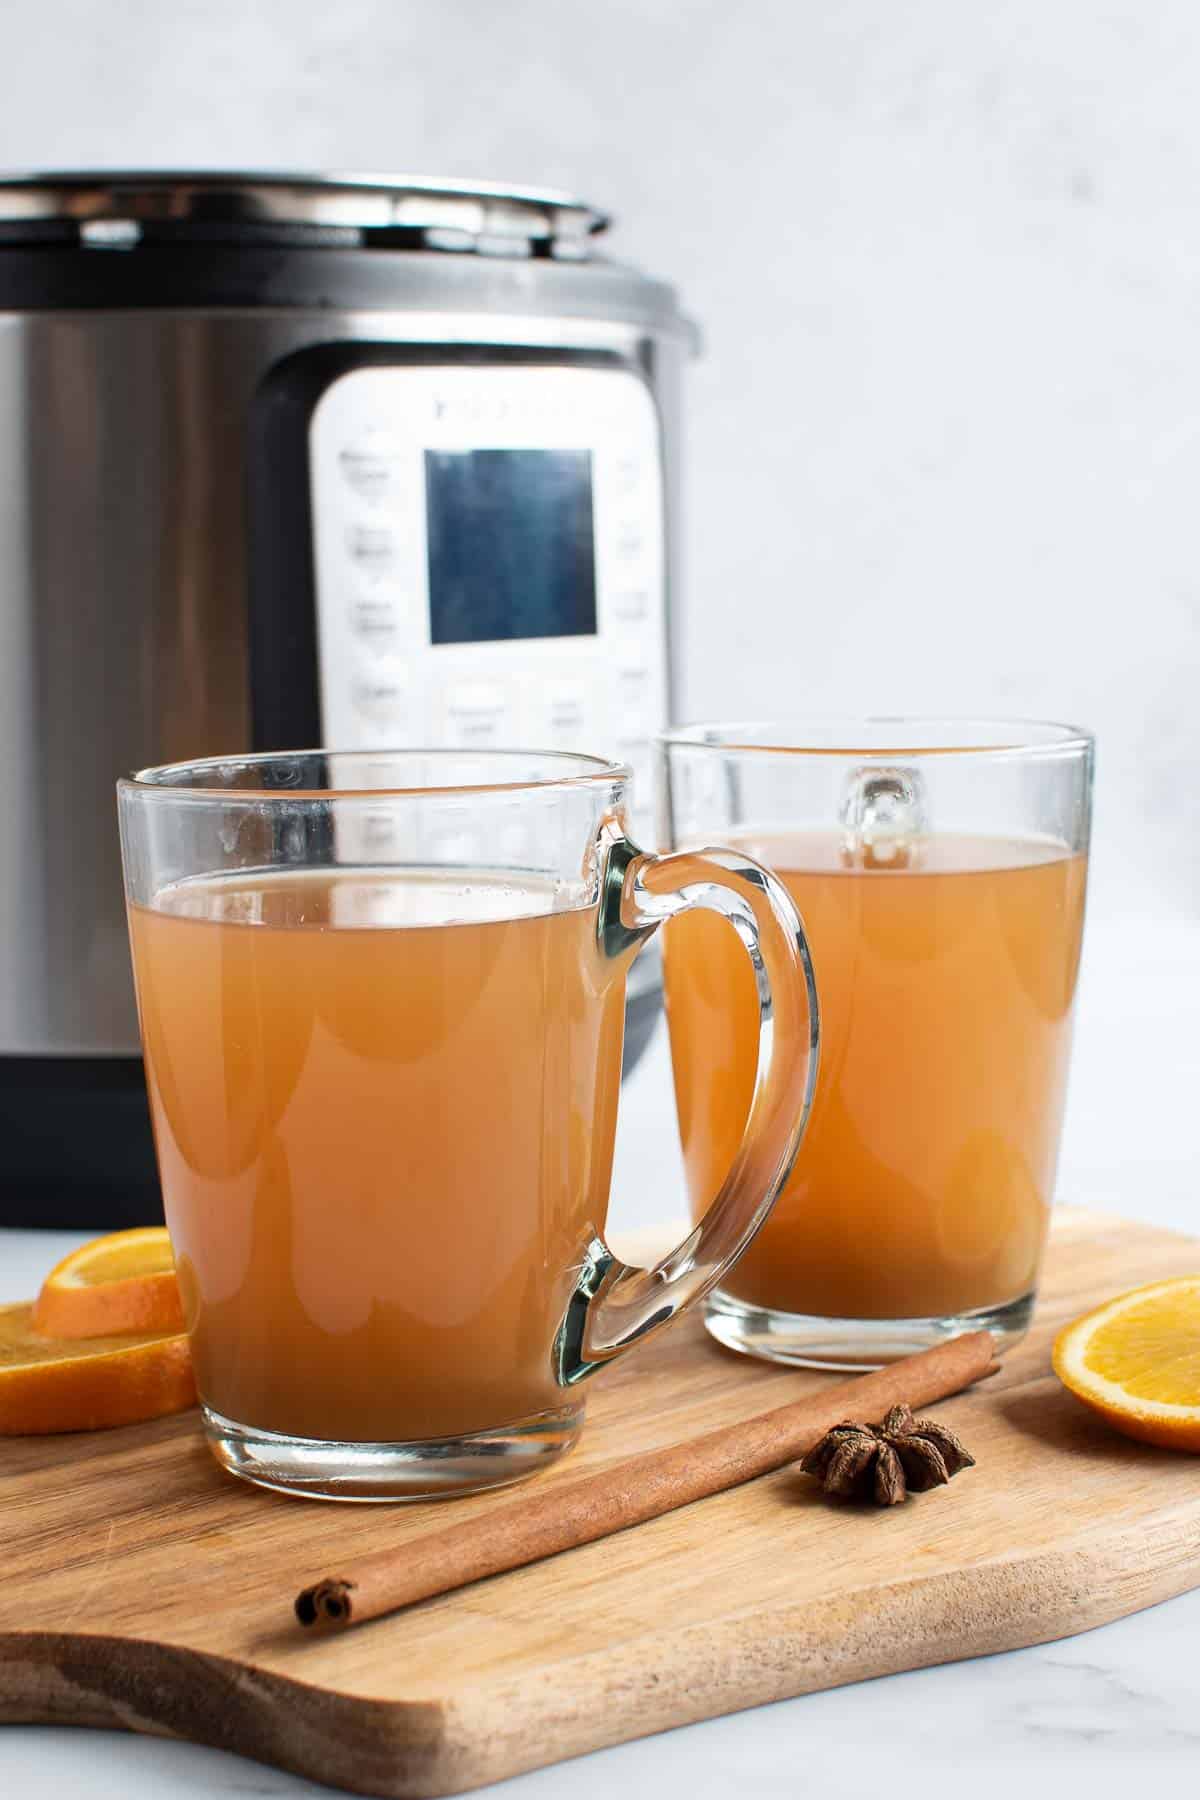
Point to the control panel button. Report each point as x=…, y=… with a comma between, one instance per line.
x=375, y=549
x=376, y=616
x=373, y=469
x=631, y=605
x=380, y=692
x=634, y=687
x=477, y=715
x=627, y=473
x=566, y=714
x=638, y=699
x=630, y=539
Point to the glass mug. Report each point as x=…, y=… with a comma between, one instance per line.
x=382, y=1001
x=940, y=869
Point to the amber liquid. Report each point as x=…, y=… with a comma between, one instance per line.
x=946, y=991
x=383, y=1140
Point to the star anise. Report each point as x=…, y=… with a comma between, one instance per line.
x=886, y=1462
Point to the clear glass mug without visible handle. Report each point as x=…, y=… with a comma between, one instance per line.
x=941, y=870
x=382, y=1000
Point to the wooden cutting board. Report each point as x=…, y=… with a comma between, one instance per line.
x=143, y=1588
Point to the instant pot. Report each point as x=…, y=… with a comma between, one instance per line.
x=285, y=461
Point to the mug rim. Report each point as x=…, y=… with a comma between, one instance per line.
x=580, y=770
x=842, y=735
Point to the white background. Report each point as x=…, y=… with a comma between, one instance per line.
x=943, y=448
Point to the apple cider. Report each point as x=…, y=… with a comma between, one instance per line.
x=384, y=1140
x=924, y=1179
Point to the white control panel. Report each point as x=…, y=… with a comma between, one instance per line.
x=489, y=561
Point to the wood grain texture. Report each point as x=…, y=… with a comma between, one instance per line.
x=142, y=1588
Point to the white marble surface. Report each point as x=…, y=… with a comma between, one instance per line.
x=1113, y=1706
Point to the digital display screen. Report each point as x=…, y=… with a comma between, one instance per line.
x=511, y=552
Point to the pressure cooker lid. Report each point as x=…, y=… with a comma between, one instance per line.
x=128, y=208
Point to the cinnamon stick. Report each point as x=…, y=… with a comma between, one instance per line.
x=561, y=1517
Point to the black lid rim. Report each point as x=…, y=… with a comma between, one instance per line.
x=57, y=273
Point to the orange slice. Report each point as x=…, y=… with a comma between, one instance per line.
x=122, y=1282
x=54, y=1384
x=1136, y=1362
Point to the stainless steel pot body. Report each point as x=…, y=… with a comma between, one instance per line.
x=125, y=608
x=128, y=591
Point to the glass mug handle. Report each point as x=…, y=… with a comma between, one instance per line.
x=616, y=1305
